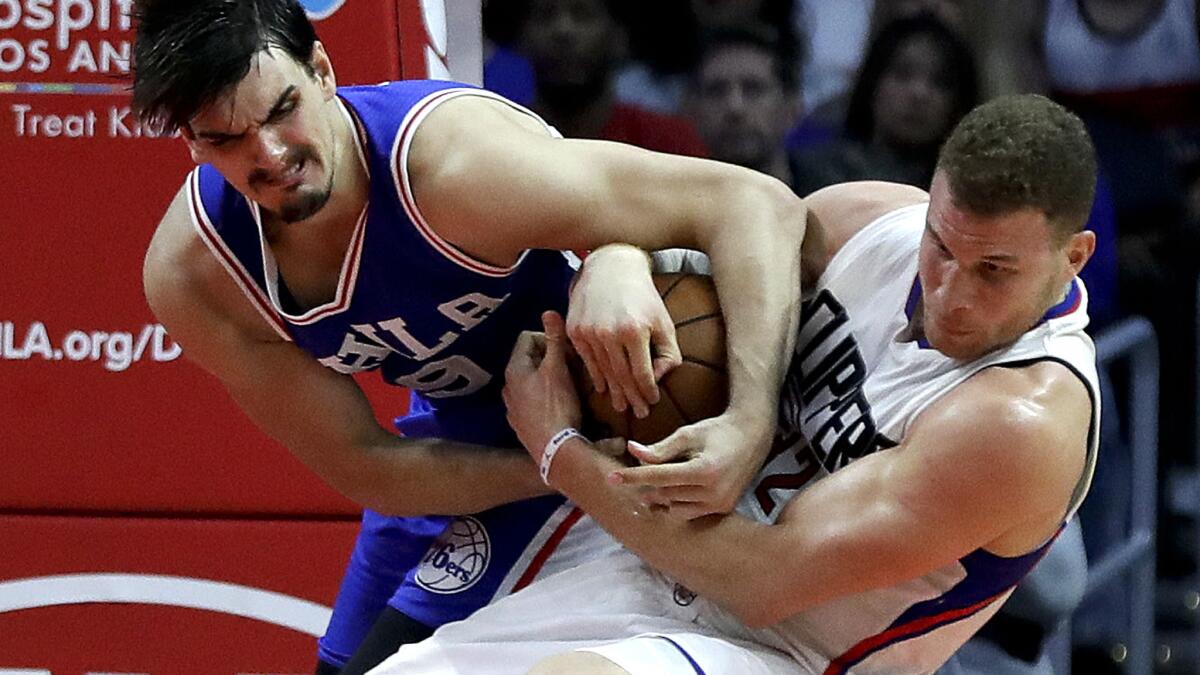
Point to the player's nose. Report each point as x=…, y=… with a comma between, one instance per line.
x=269, y=151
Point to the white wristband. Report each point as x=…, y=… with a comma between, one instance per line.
x=556, y=441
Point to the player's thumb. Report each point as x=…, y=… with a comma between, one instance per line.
x=556, y=337
x=671, y=448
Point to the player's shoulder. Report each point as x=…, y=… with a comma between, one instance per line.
x=1019, y=410
x=183, y=281
x=838, y=212
x=176, y=263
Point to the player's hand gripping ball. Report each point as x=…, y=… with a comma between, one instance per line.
x=698, y=388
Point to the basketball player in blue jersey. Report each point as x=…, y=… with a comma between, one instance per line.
x=328, y=231
x=938, y=427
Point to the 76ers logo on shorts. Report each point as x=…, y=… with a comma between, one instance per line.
x=457, y=559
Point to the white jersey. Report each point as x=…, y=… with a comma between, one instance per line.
x=856, y=384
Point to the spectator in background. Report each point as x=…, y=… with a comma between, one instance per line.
x=837, y=35
x=575, y=47
x=505, y=70
x=744, y=98
x=952, y=13
x=917, y=81
x=665, y=44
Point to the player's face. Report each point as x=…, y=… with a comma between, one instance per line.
x=272, y=136
x=741, y=108
x=914, y=100
x=570, y=42
x=988, y=279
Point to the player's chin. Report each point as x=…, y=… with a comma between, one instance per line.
x=302, y=204
x=960, y=346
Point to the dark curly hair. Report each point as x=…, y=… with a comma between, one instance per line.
x=1023, y=151
x=188, y=54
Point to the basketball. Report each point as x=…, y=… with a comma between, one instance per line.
x=698, y=388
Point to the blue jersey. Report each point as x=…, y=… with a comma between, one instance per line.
x=429, y=318
x=408, y=303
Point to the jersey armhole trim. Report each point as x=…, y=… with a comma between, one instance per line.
x=208, y=234
x=1093, y=437
x=399, y=168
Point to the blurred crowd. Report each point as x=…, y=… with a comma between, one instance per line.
x=816, y=92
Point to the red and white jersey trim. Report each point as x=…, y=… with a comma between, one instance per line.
x=568, y=539
x=400, y=150
x=347, y=277
x=208, y=234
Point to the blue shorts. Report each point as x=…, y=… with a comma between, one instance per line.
x=436, y=569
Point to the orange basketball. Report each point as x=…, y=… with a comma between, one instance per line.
x=696, y=389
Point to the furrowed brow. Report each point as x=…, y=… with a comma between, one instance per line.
x=275, y=110
x=279, y=103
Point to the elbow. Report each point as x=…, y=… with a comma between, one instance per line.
x=362, y=483
x=760, y=609
x=375, y=495
x=786, y=218
x=790, y=210
x=759, y=615
x=378, y=501
x=792, y=219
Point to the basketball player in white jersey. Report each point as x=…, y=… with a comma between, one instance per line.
x=937, y=429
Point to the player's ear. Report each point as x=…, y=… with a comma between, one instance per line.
x=1080, y=248
x=195, y=149
x=322, y=69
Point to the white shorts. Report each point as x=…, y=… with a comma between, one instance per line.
x=693, y=654
x=614, y=606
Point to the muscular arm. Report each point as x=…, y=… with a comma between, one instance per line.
x=321, y=416
x=992, y=465
x=573, y=194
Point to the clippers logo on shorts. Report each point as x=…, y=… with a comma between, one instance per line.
x=682, y=595
x=823, y=395
x=457, y=559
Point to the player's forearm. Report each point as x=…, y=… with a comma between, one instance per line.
x=755, y=255
x=409, y=477
x=715, y=556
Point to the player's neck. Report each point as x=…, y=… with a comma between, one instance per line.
x=348, y=193
x=350, y=180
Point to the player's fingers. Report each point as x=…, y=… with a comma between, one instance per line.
x=616, y=372
x=690, y=510
x=617, y=398
x=662, y=365
x=673, y=447
x=653, y=475
x=588, y=356
x=637, y=348
x=527, y=352
x=652, y=499
x=679, y=493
